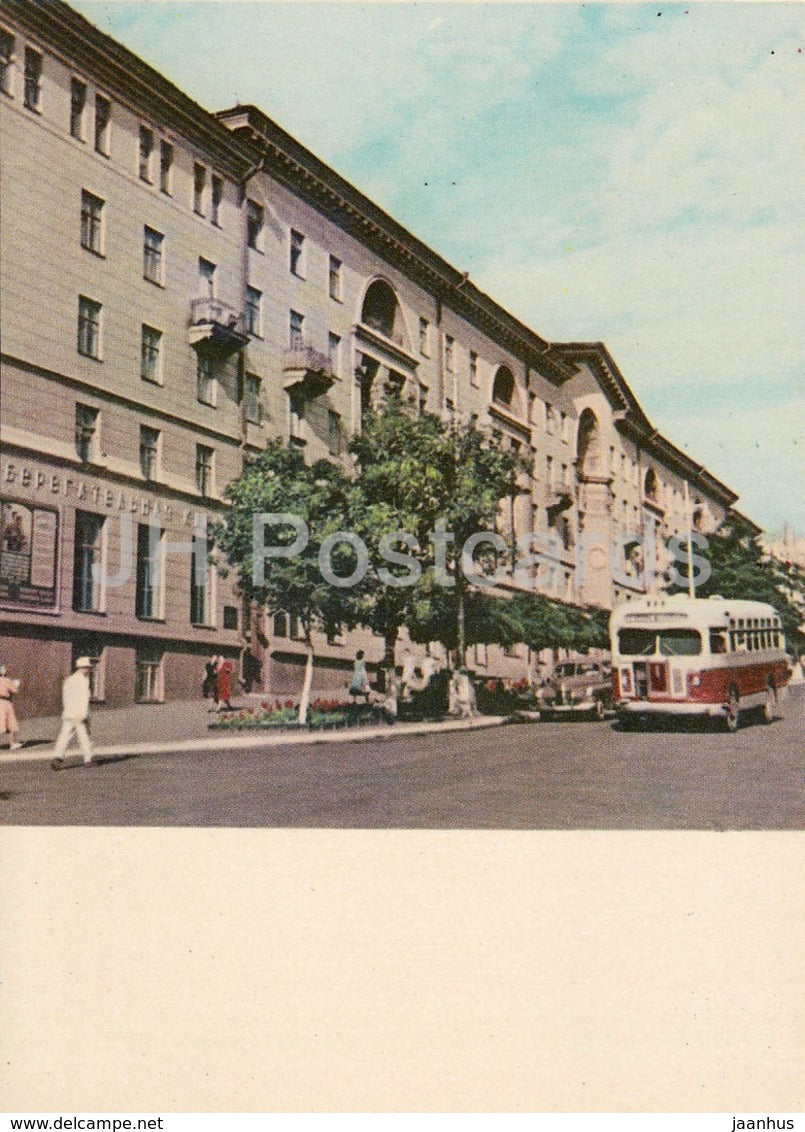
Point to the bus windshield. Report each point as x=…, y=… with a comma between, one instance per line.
x=666, y=642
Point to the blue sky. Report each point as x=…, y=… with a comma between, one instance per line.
x=617, y=172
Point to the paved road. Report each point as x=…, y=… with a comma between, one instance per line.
x=530, y=776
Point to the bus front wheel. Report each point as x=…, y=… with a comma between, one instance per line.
x=733, y=712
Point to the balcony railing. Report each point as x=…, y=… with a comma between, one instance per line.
x=304, y=365
x=215, y=323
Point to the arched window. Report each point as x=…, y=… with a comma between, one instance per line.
x=651, y=485
x=503, y=391
x=589, y=454
x=381, y=312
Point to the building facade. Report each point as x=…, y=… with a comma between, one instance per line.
x=178, y=287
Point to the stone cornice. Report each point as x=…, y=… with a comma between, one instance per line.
x=123, y=75
x=298, y=169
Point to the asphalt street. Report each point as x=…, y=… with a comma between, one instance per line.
x=552, y=775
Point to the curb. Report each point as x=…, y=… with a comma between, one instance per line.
x=238, y=742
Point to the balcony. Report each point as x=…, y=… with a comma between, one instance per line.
x=386, y=345
x=306, y=370
x=216, y=325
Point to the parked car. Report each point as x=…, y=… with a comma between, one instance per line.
x=577, y=688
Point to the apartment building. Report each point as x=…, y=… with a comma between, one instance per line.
x=178, y=286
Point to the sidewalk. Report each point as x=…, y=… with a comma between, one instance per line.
x=183, y=725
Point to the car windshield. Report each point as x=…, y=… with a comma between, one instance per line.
x=666, y=642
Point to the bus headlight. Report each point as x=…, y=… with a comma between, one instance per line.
x=694, y=680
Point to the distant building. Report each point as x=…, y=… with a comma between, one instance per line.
x=180, y=286
x=787, y=547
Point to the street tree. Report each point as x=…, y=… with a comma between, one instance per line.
x=740, y=568
x=279, y=561
x=441, y=483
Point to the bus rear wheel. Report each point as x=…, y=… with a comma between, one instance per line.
x=733, y=716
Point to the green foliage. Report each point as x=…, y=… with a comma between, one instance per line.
x=741, y=569
x=415, y=471
x=278, y=480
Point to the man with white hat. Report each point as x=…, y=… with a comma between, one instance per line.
x=75, y=693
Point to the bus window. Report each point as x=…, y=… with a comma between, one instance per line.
x=680, y=642
x=718, y=641
x=636, y=642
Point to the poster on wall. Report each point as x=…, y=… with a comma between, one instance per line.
x=29, y=539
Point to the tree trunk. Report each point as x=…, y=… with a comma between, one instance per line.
x=304, y=699
x=461, y=637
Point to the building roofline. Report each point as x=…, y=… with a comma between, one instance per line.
x=134, y=82
x=242, y=138
x=636, y=424
x=293, y=164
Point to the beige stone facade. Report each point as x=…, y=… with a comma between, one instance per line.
x=179, y=286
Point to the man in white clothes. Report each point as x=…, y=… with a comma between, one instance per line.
x=75, y=693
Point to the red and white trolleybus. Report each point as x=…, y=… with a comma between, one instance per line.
x=677, y=655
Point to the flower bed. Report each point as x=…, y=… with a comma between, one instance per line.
x=283, y=715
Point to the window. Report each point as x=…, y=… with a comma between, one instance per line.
x=200, y=587
x=334, y=353
x=549, y=470
x=151, y=355
x=86, y=430
x=148, y=679
x=424, y=337
x=297, y=253
x=6, y=61
x=91, y=222
x=280, y=624
x=89, y=327
x=204, y=470
x=206, y=279
x=146, y=151
x=254, y=319
x=147, y=600
x=230, y=619
x=335, y=278
x=152, y=255
x=550, y=419
x=33, y=78
x=251, y=398
x=422, y=398
x=449, y=344
x=199, y=185
x=565, y=475
x=165, y=167
x=78, y=100
x=217, y=197
x=149, y=452
x=296, y=330
x=334, y=433
x=254, y=224
x=103, y=124
x=473, y=368
x=205, y=380
x=88, y=576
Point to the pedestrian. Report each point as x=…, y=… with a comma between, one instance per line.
x=75, y=692
x=359, y=684
x=391, y=697
x=462, y=695
x=8, y=717
x=224, y=682
x=409, y=678
x=209, y=689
